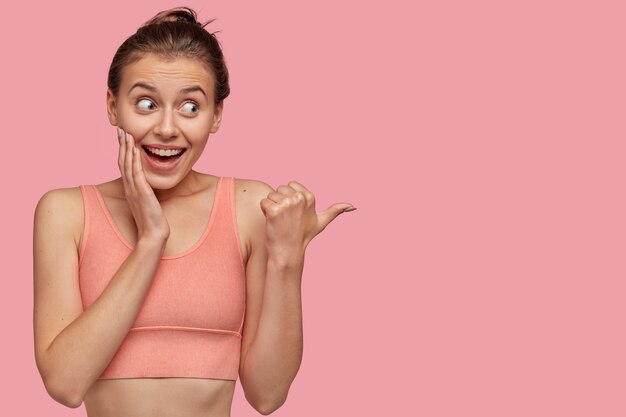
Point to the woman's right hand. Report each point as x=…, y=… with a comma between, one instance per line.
x=149, y=218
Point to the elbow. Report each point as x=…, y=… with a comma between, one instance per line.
x=268, y=406
x=61, y=389
x=63, y=394
x=73, y=402
x=266, y=410
x=263, y=396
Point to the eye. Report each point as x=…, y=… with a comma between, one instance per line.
x=145, y=104
x=191, y=107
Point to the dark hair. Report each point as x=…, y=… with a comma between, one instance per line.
x=172, y=34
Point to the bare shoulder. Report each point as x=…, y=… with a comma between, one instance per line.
x=250, y=217
x=66, y=202
x=61, y=210
x=252, y=191
x=249, y=194
x=65, y=196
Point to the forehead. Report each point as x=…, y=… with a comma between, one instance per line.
x=167, y=74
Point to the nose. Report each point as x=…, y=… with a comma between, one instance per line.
x=166, y=127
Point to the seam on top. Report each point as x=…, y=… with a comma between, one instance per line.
x=186, y=329
x=86, y=224
x=233, y=210
x=193, y=248
x=107, y=215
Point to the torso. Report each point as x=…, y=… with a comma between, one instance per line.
x=160, y=397
x=168, y=397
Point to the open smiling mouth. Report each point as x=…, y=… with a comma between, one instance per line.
x=163, y=155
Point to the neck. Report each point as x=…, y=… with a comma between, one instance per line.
x=189, y=185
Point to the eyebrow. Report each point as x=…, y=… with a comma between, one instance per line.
x=189, y=89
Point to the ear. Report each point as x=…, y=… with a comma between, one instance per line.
x=112, y=107
x=217, y=116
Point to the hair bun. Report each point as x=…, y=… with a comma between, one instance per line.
x=177, y=14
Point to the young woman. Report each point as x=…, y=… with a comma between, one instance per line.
x=155, y=291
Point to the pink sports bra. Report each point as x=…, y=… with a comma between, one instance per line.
x=191, y=321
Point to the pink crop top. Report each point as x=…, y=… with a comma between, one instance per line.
x=191, y=321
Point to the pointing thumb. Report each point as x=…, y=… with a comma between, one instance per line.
x=328, y=215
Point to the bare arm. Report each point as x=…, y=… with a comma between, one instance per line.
x=73, y=347
x=272, y=342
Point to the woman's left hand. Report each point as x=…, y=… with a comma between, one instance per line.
x=291, y=220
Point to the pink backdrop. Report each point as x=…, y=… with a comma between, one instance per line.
x=483, y=144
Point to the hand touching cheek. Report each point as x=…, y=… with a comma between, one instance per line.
x=147, y=213
x=292, y=222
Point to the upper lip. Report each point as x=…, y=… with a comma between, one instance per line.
x=164, y=147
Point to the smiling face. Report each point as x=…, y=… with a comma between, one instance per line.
x=169, y=108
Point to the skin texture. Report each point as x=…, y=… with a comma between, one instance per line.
x=73, y=347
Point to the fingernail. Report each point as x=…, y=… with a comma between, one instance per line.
x=349, y=209
x=126, y=136
x=134, y=151
x=119, y=135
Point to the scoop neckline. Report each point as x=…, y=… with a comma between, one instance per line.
x=207, y=228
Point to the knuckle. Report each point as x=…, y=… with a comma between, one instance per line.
x=273, y=211
x=265, y=205
x=299, y=197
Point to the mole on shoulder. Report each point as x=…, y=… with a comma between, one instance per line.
x=244, y=191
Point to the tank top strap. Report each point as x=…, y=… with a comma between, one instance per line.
x=89, y=196
x=97, y=227
x=87, y=203
x=232, y=205
x=222, y=215
x=227, y=200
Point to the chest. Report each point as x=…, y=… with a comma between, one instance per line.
x=200, y=281
x=189, y=219
x=187, y=223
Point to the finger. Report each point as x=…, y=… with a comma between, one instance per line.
x=136, y=167
x=122, y=150
x=139, y=175
x=297, y=186
x=286, y=190
x=121, y=159
x=268, y=207
x=128, y=162
x=276, y=197
x=331, y=213
x=308, y=195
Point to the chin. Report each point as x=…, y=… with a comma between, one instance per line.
x=159, y=182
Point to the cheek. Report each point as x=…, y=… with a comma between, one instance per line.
x=138, y=127
x=197, y=131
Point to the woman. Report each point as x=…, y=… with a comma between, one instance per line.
x=155, y=291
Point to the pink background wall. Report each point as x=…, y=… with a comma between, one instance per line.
x=483, y=144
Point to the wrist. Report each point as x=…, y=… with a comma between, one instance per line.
x=151, y=243
x=292, y=260
x=154, y=236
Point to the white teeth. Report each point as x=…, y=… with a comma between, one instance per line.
x=164, y=152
